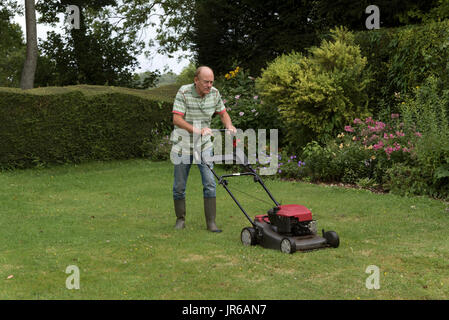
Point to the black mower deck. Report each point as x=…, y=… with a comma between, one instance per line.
x=271, y=239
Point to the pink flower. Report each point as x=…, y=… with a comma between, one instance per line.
x=380, y=125
x=394, y=115
x=357, y=121
x=241, y=113
x=388, y=151
x=418, y=134
x=400, y=133
x=255, y=97
x=349, y=129
x=237, y=97
x=378, y=145
x=369, y=120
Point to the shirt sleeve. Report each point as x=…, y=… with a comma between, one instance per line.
x=179, y=106
x=219, y=106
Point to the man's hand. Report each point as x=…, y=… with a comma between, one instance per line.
x=231, y=129
x=206, y=132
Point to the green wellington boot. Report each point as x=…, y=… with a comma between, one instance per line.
x=210, y=213
x=180, y=211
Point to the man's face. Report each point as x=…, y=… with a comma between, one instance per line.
x=204, y=82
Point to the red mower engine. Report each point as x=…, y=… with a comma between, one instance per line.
x=290, y=219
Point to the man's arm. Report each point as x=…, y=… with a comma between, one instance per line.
x=178, y=120
x=226, y=120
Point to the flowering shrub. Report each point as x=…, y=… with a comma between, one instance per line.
x=384, y=140
x=243, y=104
x=289, y=166
x=157, y=149
x=362, y=153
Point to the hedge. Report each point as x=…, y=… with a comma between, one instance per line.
x=79, y=123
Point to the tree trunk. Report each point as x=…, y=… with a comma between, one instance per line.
x=29, y=68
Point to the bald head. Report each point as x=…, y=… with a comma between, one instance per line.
x=204, y=79
x=203, y=70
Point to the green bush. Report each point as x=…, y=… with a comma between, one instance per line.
x=318, y=94
x=406, y=180
x=426, y=111
x=402, y=58
x=320, y=164
x=61, y=125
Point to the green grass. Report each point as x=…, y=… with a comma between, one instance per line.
x=115, y=220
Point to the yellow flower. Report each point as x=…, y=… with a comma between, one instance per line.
x=237, y=69
x=232, y=73
x=373, y=157
x=341, y=146
x=227, y=76
x=354, y=138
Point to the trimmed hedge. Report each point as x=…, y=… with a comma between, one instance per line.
x=79, y=123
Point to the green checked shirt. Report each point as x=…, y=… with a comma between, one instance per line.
x=198, y=112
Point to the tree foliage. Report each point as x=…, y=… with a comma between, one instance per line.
x=12, y=49
x=249, y=33
x=222, y=33
x=351, y=13
x=99, y=52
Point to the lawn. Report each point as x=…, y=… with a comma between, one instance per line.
x=114, y=222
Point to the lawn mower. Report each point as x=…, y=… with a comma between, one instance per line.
x=288, y=228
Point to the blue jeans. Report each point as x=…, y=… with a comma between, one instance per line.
x=181, y=173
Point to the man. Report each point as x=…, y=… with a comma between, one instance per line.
x=194, y=106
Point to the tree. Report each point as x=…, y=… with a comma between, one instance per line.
x=249, y=32
x=351, y=13
x=12, y=48
x=97, y=57
x=100, y=52
x=29, y=67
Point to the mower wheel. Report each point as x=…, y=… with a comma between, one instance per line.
x=248, y=236
x=332, y=238
x=288, y=245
